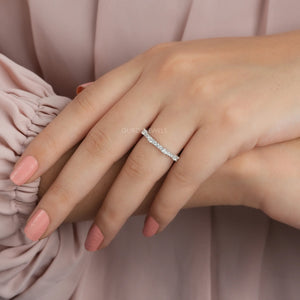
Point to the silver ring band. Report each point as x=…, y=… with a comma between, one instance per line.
x=155, y=143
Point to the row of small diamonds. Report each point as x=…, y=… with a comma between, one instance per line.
x=152, y=141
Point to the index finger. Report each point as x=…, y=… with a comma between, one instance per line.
x=74, y=121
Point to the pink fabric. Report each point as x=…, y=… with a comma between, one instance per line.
x=27, y=105
x=222, y=253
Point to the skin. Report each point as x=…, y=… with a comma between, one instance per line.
x=227, y=186
x=216, y=98
x=264, y=178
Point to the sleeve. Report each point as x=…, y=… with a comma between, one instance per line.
x=50, y=268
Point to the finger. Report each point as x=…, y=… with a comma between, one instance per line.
x=143, y=168
x=74, y=121
x=103, y=145
x=207, y=150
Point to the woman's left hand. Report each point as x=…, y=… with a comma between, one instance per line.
x=211, y=99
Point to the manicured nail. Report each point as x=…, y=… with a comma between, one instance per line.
x=94, y=238
x=24, y=170
x=81, y=87
x=37, y=225
x=150, y=227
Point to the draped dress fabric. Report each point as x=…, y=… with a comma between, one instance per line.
x=220, y=253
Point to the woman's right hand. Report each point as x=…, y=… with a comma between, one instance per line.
x=265, y=178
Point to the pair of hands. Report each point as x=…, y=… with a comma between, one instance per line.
x=215, y=99
x=265, y=178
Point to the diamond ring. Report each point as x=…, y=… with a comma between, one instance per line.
x=155, y=143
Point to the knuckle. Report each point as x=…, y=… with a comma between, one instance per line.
x=136, y=166
x=203, y=87
x=158, y=48
x=84, y=102
x=232, y=116
x=163, y=212
x=98, y=142
x=174, y=63
x=47, y=144
x=110, y=219
x=62, y=196
x=182, y=177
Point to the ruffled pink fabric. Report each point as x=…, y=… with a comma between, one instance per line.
x=27, y=105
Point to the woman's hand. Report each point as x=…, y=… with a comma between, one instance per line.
x=213, y=98
x=265, y=178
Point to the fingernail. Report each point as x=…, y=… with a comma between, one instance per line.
x=24, y=170
x=94, y=238
x=37, y=225
x=150, y=227
x=81, y=87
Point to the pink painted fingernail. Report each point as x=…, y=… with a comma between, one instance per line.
x=81, y=87
x=94, y=238
x=150, y=227
x=37, y=225
x=24, y=170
